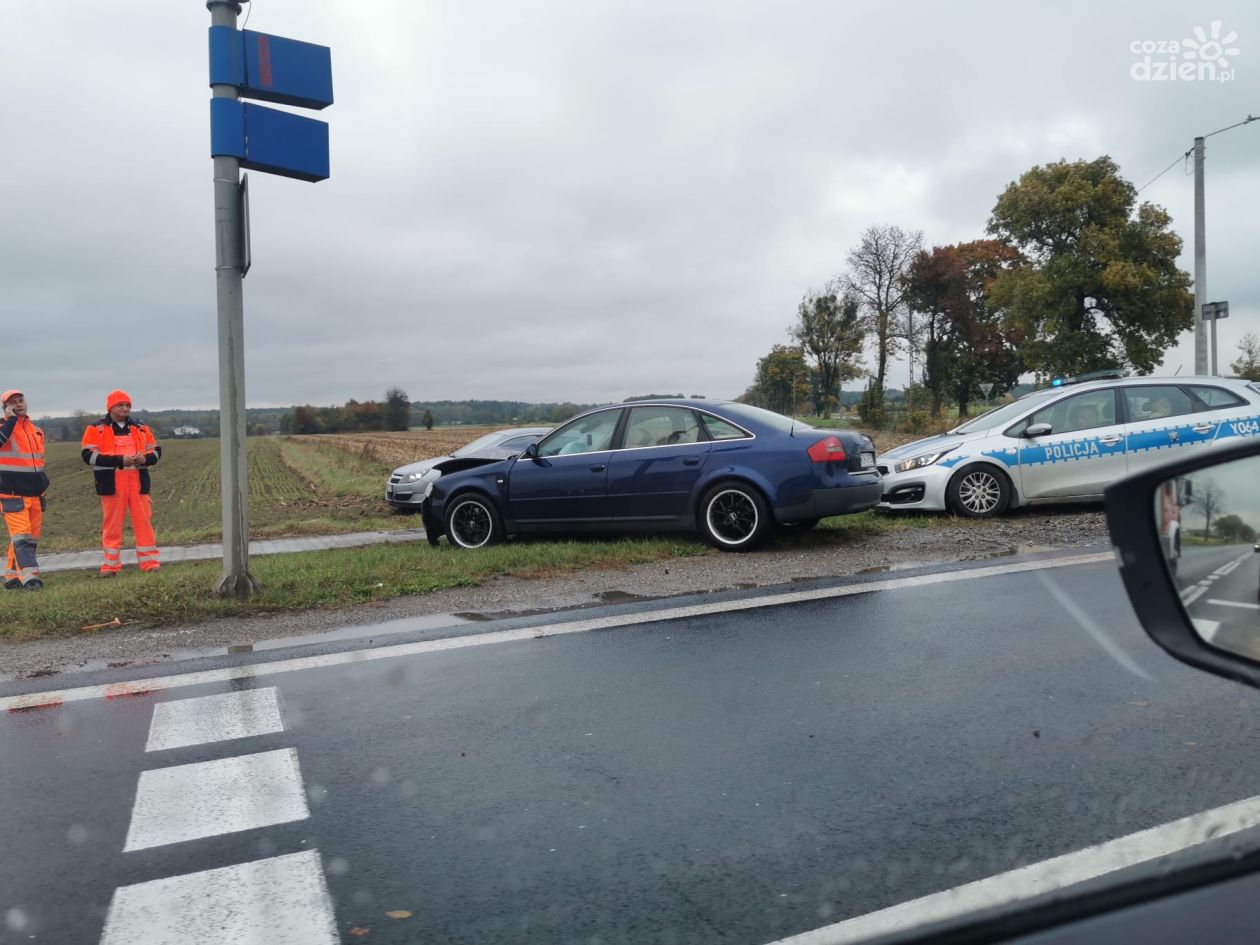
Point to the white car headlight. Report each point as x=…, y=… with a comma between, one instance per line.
x=918, y=462
x=415, y=476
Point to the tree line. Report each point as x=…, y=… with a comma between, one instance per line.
x=1072, y=275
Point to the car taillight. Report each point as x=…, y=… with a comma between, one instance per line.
x=830, y=450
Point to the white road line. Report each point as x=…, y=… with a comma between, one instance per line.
x=1234, y=603
x=1040, y=878
x=1198, y=591
x=260, y=670
x=209, y=798
x=220, y=718
x=1206, y=628
x=1100, y=636
x=282, y=900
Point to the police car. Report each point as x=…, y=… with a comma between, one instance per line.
x=1067, y=443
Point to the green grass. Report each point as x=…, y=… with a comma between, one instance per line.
x=296, y=488
x=184, y=592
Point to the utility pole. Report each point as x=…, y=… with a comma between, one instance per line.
x=228, y=262
x=1200, y=271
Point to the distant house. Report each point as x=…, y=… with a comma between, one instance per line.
x=186, y=432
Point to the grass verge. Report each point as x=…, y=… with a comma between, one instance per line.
x=184, y=592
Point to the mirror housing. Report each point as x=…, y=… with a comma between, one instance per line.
x=530, y=452
x=1038, y=429
x=1146, y=572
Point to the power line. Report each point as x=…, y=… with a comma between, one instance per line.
x=1246, y=121
x=1165, y=170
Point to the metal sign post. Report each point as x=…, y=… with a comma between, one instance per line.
x=228, y=252
x=1214, y=312
x=274, y=69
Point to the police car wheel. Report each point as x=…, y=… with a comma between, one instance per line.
x=978, y=492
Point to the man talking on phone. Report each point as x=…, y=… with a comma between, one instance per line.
x=23, y=482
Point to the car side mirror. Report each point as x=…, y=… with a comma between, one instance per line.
x=1184, y=534
x=1038, y=429
x=530, y=452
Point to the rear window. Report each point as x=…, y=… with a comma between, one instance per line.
x=775, y=421
x=1217, y=397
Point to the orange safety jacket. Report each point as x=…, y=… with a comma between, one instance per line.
x=21, y=458
x=102, y=454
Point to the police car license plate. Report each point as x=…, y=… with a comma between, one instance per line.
x=868, y=460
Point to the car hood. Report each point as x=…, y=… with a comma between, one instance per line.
x=420, y=466
x=931, y=444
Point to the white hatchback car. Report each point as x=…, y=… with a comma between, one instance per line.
x=1067, y=443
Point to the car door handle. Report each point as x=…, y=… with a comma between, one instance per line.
x=598, y=467
x=694, y=461
x=1203, y=427
x=1109, y=440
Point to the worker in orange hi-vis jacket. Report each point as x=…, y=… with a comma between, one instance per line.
x=23, y=482
x=120, y=452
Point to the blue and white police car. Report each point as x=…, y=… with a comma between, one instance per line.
x=1067, y=443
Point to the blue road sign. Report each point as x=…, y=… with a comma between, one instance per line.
x=264, y=139
x=271, y=68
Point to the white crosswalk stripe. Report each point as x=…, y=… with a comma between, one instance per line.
x=185, y=722
x=282, y=900
x=209, y=798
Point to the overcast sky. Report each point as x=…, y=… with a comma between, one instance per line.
x=562, y=200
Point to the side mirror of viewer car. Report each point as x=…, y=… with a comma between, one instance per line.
x=1185, y=533
x=1038, y=429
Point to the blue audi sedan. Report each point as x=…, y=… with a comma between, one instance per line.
x=728, y=470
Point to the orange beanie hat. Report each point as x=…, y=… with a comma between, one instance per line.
x=115, y=398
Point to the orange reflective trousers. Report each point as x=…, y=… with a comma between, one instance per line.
x=114, y=508
x=24, y=517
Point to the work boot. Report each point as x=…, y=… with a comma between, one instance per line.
x=12, y=584
x=34, y=584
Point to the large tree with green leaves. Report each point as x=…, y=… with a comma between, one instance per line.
x=967, y=341
x=1099, y=286
x=782, y=381
x=830, y=330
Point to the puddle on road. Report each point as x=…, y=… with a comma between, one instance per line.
x=620, y=597
x=364, y=632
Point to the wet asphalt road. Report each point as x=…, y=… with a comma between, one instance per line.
x=1220, y=585
x=729, y=778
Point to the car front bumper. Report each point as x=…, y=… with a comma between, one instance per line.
x=922, y=489
x=407, y=495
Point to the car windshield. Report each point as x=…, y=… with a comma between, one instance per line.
x=776, y=421
x=1004, y=414
x=479, y=444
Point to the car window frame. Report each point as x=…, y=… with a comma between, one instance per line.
x=1129, y=418
x=744, y=433
x=618, y=430
x=1190, y=389
x=1016, y=429
x=695, y=415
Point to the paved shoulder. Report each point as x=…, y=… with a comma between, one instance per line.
x=86, y=560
